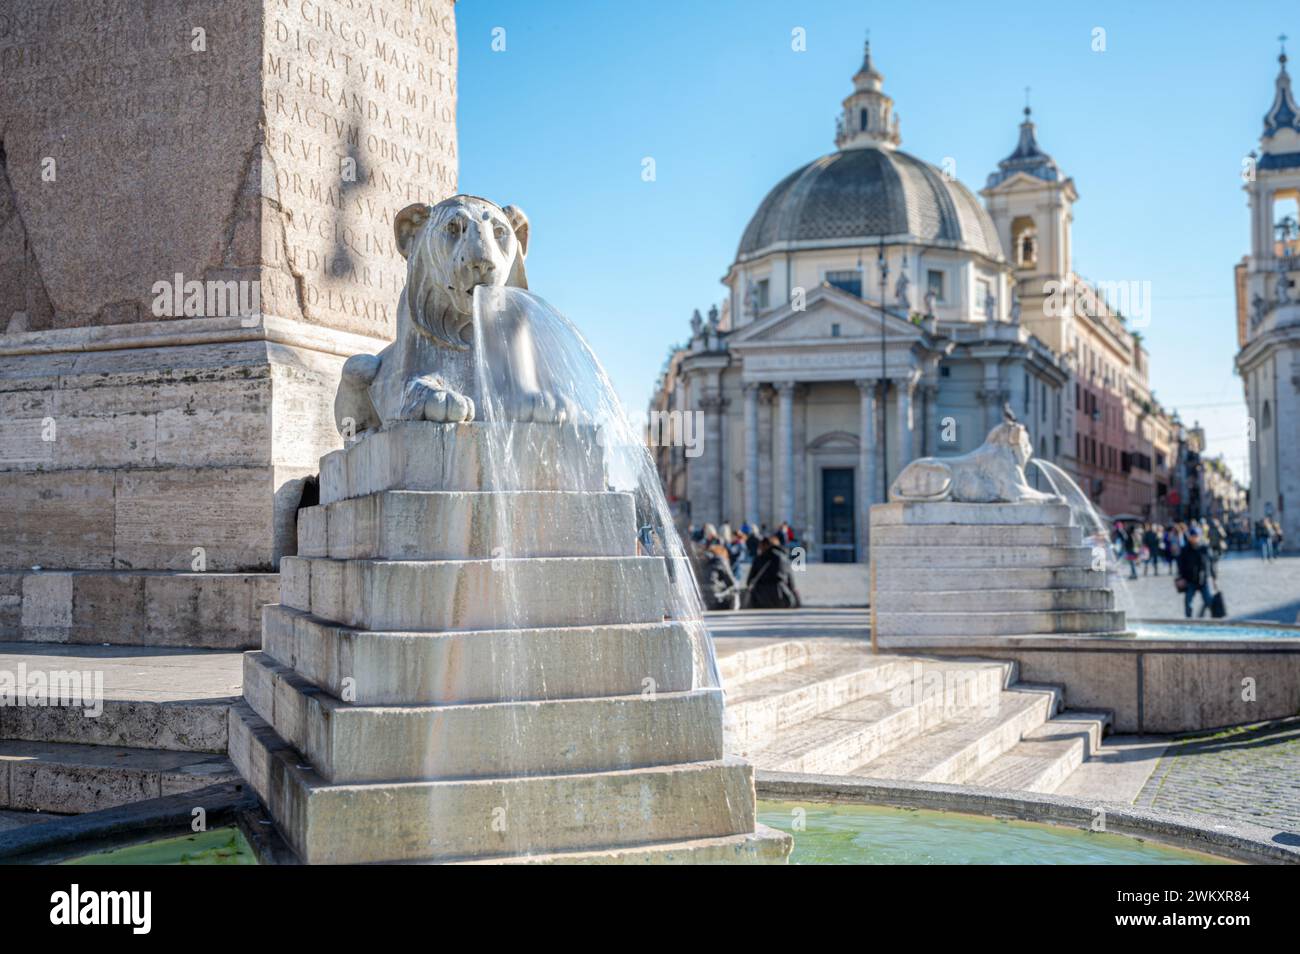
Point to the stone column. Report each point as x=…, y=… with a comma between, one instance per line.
x=751, y=454
x=991, y=397
x=904, y=388
x=868, y=453
x=785, y=390
x=929, y=417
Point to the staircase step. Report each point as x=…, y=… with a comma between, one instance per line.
x=757, y=710
x=60, y=777
x=921, y=579
x=956, y=751
x=387, y=668
x=847, y=736
x=941, y=538
x=143, y=697
x=768, y=658
x=350, y=743
x=484, y=818
x=997, y=623
x=458, y=595
x=763, y=846
x=997, y=601
x=1047, y=755
x=446, y=525
x=975, y=557
x=944, y=512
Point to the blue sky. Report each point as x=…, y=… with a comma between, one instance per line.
x=1153, y=131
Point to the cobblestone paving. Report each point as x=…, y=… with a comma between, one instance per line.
x=1251, y=773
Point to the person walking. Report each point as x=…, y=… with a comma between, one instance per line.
x=771, y=579
x=1195, y=571
x=1151, y=544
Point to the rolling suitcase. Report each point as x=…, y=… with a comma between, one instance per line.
x=1218, y=609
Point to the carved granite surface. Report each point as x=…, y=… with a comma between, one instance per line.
x=992, y=473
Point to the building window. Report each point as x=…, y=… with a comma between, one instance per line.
x=982, y=292
x=1024, y=242
x=945, y=371
x=847, y=281
x=1266, y=418
x=934, y=283
x=835, y=329
x=761, y=293
x=862, y=118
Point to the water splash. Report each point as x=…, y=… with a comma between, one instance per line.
x=1096, y=531
x=532, y=363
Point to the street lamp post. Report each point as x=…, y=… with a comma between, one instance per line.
x=883, y=264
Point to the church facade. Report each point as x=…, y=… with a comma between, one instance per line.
x=1268, y=315
x=871, y=317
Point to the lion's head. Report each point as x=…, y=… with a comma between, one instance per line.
x=452, y=247
x=1014, y=436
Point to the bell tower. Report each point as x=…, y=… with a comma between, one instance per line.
x=1268, y=312
x=1031, y=203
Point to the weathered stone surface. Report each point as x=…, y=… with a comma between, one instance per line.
x=482, y=594
x=441, y=525
x=354, y=743
x=447, y=820
x=421, y=455
x=212, y=610
x=384, y=668
x=968, y=514
x=267, y=103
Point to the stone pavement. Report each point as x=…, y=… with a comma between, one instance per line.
x=1248, y=773
x=1252, y=589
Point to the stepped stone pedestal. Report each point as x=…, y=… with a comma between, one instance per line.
x=405, y=708
x=946, y=573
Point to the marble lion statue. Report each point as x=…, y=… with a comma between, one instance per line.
x=992, y=473
x=428, y=372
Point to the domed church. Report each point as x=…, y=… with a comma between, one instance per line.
x=870, y=319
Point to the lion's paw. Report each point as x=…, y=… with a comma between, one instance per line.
x=538, y=407
x=448, y=407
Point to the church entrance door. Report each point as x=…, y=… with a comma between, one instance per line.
x=838, y=534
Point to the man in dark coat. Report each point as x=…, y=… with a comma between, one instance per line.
x=1195, y=570
x=771, y=578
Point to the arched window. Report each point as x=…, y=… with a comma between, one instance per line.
x=1024, y=242
x=1266, y=417
x=862, y=117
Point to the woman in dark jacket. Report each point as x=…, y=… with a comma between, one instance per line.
x=1195, y=570
x=718, y=583
x=771, y=579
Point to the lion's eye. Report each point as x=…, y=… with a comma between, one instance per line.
x=454, y=227
x=500, y=233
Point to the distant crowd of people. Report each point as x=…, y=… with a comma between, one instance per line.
x=1191, y=552
x=722, y=556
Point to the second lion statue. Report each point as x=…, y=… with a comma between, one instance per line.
x=428, y=373
x=992, y=473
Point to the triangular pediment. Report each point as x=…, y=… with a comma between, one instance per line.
x=828, y=315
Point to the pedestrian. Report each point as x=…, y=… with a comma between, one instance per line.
x=1264, y=537
x=1128, y=535
x=771, y=578
x=1195, y=571
x=1151, y=545
x=717, y=583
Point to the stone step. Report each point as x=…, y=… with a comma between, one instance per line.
x=155, y=697
x=1047, y=755
x=60, y=777
x=207, y=610
x=770, y=658
x=443, y=525
x=965, y=514
x=395, y=668
x=956, y=751
x=348, y=743
x=836, y=741
x=421, y=455
x=974, y=579
x=457, y=595
x=987, y=535
x=977, y=557
x=995, y=623
x=486, y=818
x=993, y=601
x=756, y=711
x=763, y=846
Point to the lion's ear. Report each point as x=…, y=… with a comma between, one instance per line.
x=519, y=222
x=408, y=224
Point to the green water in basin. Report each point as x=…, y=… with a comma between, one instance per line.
x=836, y=834
x=1210, y=631
x=221, y=846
